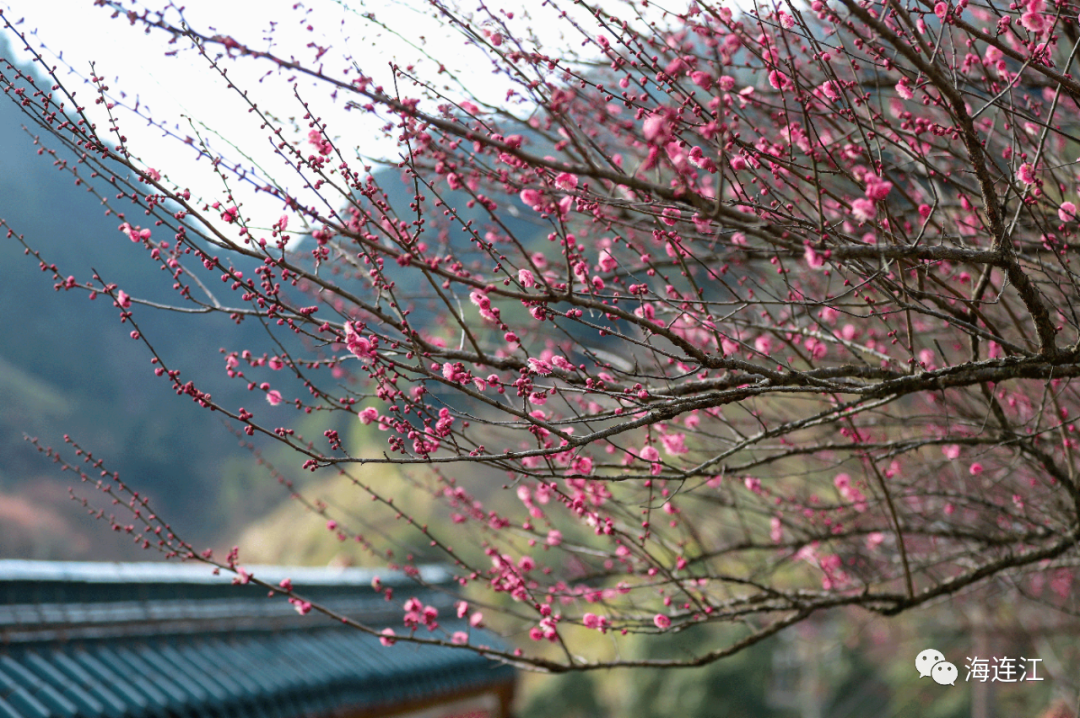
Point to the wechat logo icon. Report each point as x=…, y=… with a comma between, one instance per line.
x=932, y=663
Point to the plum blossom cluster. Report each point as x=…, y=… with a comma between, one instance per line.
x=736, y=315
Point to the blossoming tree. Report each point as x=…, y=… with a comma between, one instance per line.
x=747, y=314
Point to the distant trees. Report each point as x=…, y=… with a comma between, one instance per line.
x=754, y=314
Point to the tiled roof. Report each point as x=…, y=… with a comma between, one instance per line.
x=134, y=640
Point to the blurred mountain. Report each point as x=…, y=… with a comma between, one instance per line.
x=68, y=366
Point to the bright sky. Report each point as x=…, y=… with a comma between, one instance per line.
x=183, y=88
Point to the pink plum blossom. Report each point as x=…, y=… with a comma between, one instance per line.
x=566, y=181
x=539, y=366
x=655, y=127
x=778, y=80
x=606, y=262
x=591, y=620
x=876, y=188
x=136, y=234
x=863, y=210
x=702, y=79
x=532, y=199
x=674, y=444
